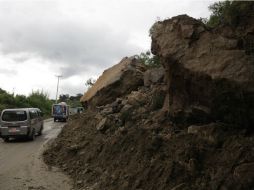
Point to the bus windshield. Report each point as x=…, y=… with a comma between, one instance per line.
x=59, y=109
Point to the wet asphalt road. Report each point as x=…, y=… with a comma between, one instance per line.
x=22, y=167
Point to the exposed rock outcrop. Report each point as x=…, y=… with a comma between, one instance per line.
x=210, y=76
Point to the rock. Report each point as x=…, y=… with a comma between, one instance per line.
x=102, y=125
x=117, y=105
x=74, y=147
x=98, y=116
x=136, y=98
x=212, y=132
x=123, y=130
x=179, y=187
x=193, y=166
x=244, y=173
x=153, y=76
x=79, y=182
x=116, y=81
x=107, y=111
x=205, y=69
x=126, y=108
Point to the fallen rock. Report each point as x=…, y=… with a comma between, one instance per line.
x=153, y=76
x=116, y=81
x=181, y=186
x=102, y=125
x=136, y=98
x=205, y=69
x=244, y=173
x=107, y=110
x=211, y=132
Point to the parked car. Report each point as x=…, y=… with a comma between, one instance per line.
x=21, y=122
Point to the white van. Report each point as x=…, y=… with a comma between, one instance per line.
x=21, y=122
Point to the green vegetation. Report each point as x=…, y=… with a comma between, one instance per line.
x=90, y=82
x=38, y=99
x=149, y=60
x=229, y=12
x=72, y=101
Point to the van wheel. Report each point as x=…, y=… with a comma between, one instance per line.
x=32, y=136
x=6, y=139
x=40, y=131
x=54, y=119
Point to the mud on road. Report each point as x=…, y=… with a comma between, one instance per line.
x=22, y=166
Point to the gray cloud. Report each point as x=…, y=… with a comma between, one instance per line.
x=80, y=38
x=67, y=44
x=74, y=46
x=8, y=72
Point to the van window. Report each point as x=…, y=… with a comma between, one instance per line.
x=33, y=114
x=40, y=114
x=14, y=116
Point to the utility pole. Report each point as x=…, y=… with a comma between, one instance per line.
x=58, y=77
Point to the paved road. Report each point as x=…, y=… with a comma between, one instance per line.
x=21, y=165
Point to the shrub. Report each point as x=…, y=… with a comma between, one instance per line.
x=149, y=60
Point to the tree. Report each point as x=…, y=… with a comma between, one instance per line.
x=40, y=100
x=149, y=60
x=7, y=99
x=2, y=91
x=74, y=101
x=64, y=97
x=90, y=82
x=21, y=101
x=229, y=12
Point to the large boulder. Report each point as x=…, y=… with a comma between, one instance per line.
x=115, y=82
x=153, y=76
x=206, y=69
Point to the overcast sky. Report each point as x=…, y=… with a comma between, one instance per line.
x=77, y=39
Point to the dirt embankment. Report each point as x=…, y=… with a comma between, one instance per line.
x=145, y=157
x=187, y=125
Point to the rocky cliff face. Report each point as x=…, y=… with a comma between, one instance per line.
x=210, y=73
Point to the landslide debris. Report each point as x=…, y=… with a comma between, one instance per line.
x=186, y=125
x=116, y=81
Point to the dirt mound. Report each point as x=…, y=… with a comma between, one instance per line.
x=153, y=157
x=133, y=144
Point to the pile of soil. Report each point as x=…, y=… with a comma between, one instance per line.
x=145, y=157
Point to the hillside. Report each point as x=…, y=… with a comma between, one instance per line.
x=185, y=125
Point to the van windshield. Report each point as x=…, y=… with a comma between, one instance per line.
x=14, y=116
